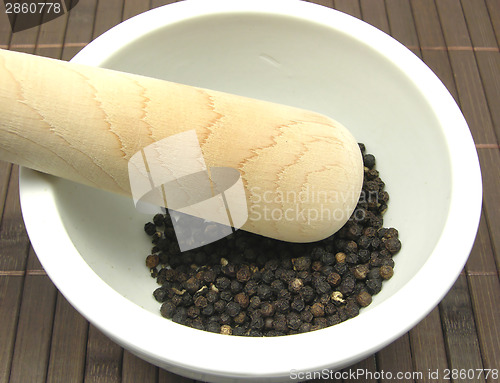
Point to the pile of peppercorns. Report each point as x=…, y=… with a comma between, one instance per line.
x=246, y=284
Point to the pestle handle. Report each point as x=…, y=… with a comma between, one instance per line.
x=84, y=124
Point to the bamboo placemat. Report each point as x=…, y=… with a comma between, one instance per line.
x=43, y=339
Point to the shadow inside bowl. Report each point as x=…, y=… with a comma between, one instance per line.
x=108, y=232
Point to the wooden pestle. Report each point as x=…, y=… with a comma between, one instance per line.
x=84, y=124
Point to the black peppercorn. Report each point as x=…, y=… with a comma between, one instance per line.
x=152, y=260
x=327, y=258
x=330, y=308
x=323, y=298
x=235, y=287
x=170, y=274
x=304, y=327
x=347, y=285
x=316, y=266
x=193, y=311
x=158, y=219
x=387, y=261
x=186, y=299
x=267, y=276
x=233, y=309
x=318, y=309
x=282, y=305
x=180, y=315
x=277, y=285
x=363, y=256
x=167, y=309
x=225, y=318
x=267, y=309
x=321, y=285
x=256, y=276
x=332, y=320
x=157, y=235
x=333, y=278
x=371, y=174
x=386, y=272
x=364, y=298
x=293, y=320
x=213, y=318
x=255, y=302
x=208, y=309
x=351, y=309
x=209, y=276
x=369, y=160
x=370, y=232
x=393, y=245
x=301, y=263
x=374, y=286
x=213, y=327
x=340, y=257
x=319, y=323
x=240, y=318
x=192, y=285
x=239, y=331
x=284, y=294
x=295, y=285
x=287, y=275
x=229, y=270
x=219, y=306
x=361, y=271
x=351, y=247
x=375, y=243
x=160, y=294
x=307, y=293
x=298, y=304
x=374, y=273
x=181, y=277
x=280, y=323
x=198, y=324
x=257, y=323
x=268, y=323
x=250, y=287
x=175, y=299
x=242, y=300
x=364, y=242
x=272, y=264
x=222, y=283
x=200, y=301
x=391, y=233
x=212, y=296
x=243, y=274
x=306, y=315
x=381, y=232
x=264, y=292
x=150, y=228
